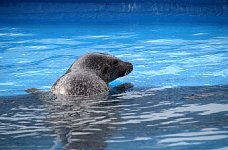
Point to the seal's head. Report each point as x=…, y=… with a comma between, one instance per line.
x=107, y=67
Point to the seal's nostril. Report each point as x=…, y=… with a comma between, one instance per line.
x=129, y=63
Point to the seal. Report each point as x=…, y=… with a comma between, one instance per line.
x=90, y=75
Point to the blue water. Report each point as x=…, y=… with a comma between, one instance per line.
x=180, y=94
x=168, y=54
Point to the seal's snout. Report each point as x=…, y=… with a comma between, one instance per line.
x=129, y=66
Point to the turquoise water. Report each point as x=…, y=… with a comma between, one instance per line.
x=165, y=54
x=179, y=99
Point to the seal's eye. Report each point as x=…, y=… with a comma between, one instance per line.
x=115, y=62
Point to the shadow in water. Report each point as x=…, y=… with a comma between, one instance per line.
x=154, y=115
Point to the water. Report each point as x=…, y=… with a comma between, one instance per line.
x=165, y=54
x=179, y=99
x=155, y=118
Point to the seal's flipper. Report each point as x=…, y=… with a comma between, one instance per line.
x=122, y=87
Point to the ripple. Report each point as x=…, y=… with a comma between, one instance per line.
x=199, y=34
x=202, y=109
x=223, y=73
x=38, y=47
x=223, y=148
x=29, y=73
x=173, y=69
x=184, y=143
x=24, y=62
x=93, y=36
x=148, y=117
x=208, y=59
x=166, y=41
x=203, y=133
x=6, y=83
x=15, y=34
x=58, y=41
x=132, y=140
x=199, y=138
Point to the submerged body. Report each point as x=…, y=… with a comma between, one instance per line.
x=90, y=75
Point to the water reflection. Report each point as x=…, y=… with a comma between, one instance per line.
x=83, y=123
x=75, y=123
x=173, y=117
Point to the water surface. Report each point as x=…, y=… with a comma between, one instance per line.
x=179, y=99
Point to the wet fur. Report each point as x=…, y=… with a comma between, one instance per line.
x=90, y=75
